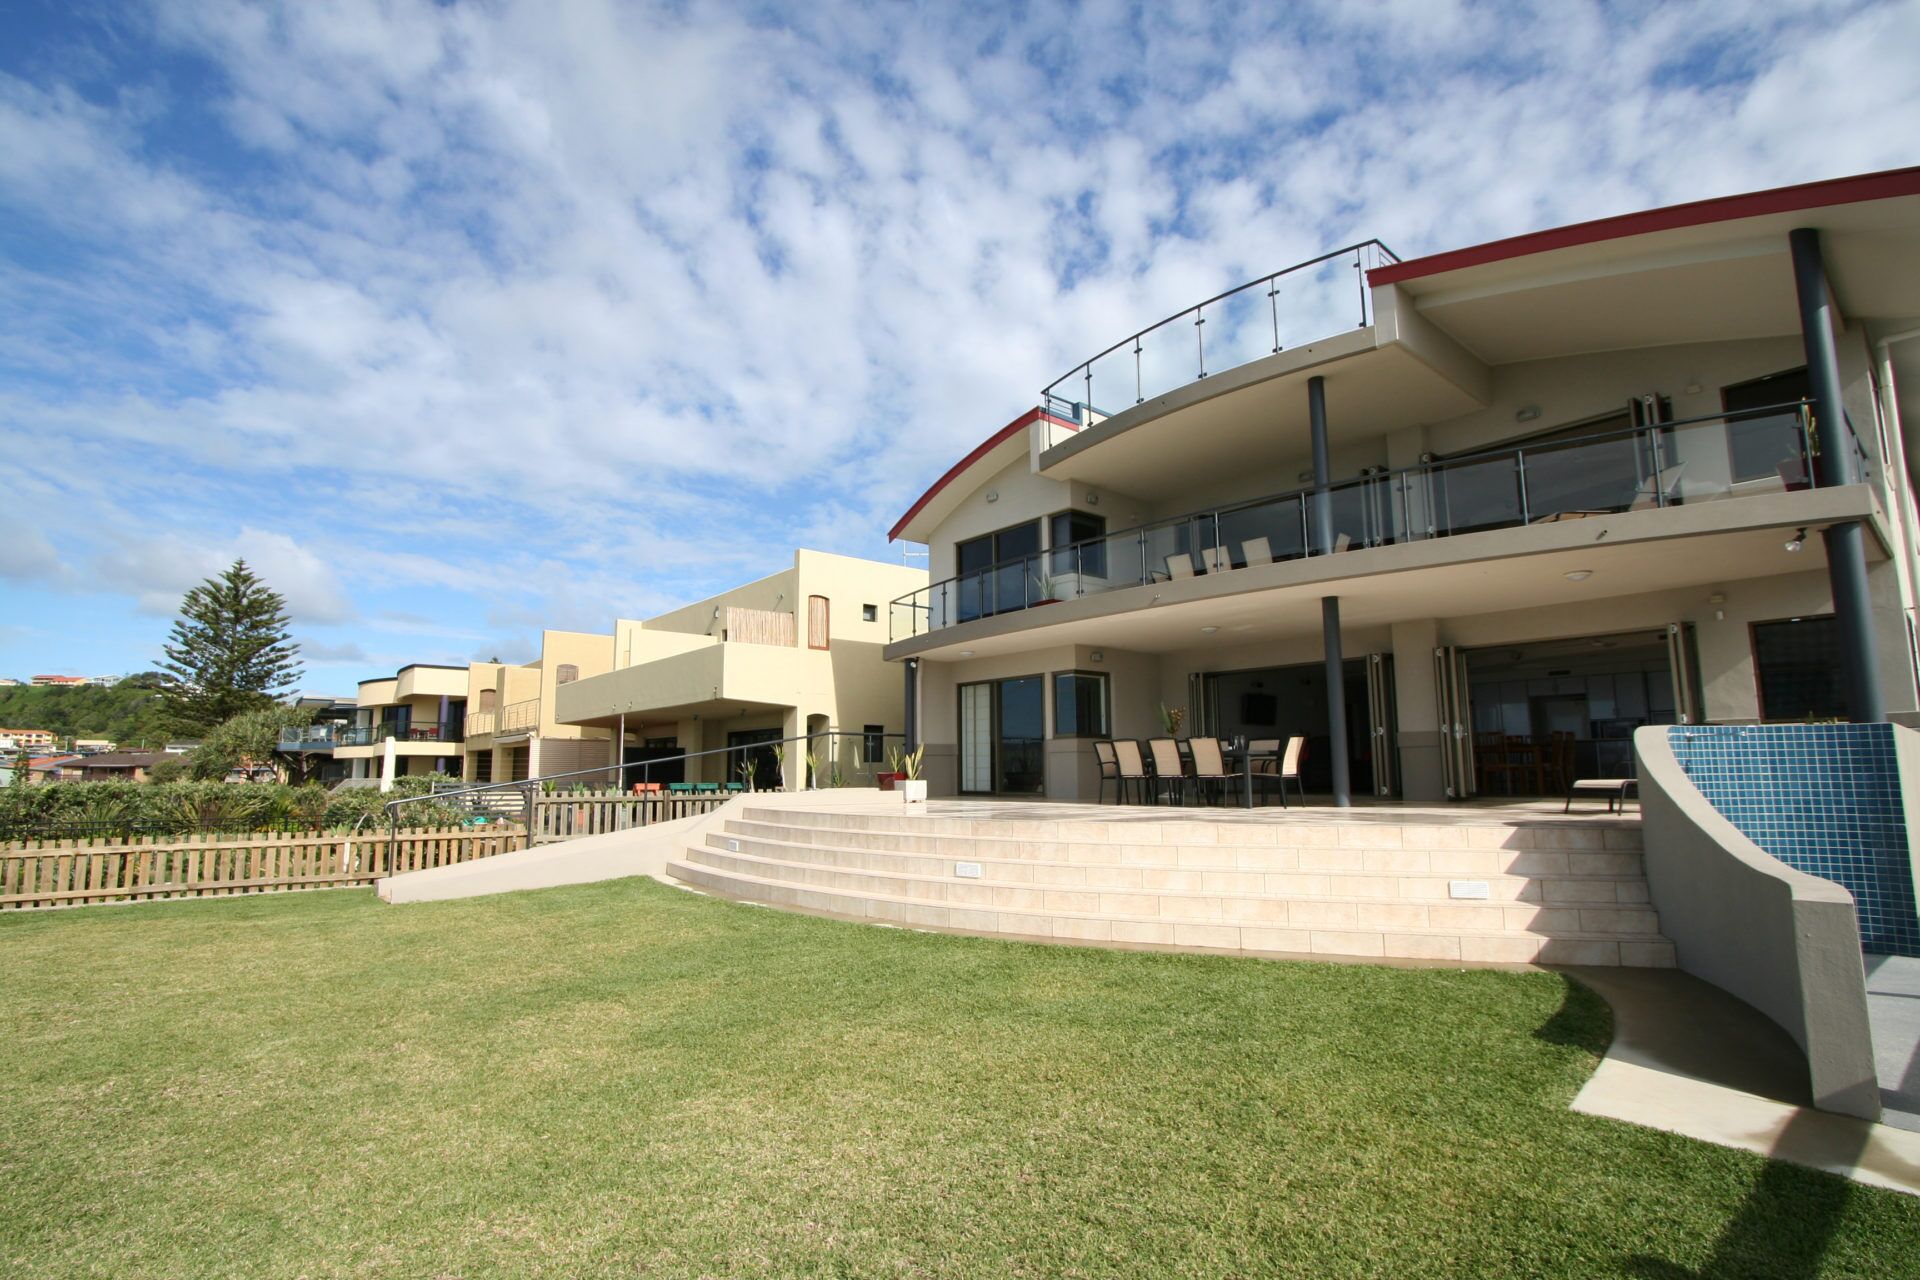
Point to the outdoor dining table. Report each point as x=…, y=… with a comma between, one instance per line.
x=1246, y=756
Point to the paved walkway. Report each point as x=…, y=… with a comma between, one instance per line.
x=1893, y=1007
x=1691, y=1059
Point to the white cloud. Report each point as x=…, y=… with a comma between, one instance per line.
x=588, y=306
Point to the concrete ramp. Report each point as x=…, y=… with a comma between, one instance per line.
x=643, y=851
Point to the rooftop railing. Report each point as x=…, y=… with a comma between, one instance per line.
x=1640, y=468
x=1299, y=304
x=311, y=737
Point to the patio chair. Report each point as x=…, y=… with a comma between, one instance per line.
x=1209, y=766
x=1109, y=762
x=1216, y=559
x=1180, y=566
x=1169, y=771
x=1265, y=765
x=681, y=788
x=1132, y=766
x=1256, y=551
x=1665, y=494
x=1291, y=762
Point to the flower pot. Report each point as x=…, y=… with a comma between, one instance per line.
x=915, y=789
x=886, y=781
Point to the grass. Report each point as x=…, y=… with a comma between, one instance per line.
x=628, y=1080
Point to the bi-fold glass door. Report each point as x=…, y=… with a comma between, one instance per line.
x=1003, y=730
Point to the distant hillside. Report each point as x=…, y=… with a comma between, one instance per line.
x=129, y=712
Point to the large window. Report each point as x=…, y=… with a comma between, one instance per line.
x=1068, y=527
x=1772, y=445
x=995, y=570
x=1079, y=704
x=1797, y=667
x=1002, y=737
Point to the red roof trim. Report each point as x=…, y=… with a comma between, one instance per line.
x=957, y=469
x=1811, y=195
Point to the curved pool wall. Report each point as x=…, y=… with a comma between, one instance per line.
x=1824, y=799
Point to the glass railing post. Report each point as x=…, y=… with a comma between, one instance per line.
x=1199, y=339
x=1520, y=476
x=1360, y=278
x=1653, y=451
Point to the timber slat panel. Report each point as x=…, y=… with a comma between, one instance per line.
x=74, y=873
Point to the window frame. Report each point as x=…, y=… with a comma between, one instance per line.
x=1753, y=649
x=1106, y=704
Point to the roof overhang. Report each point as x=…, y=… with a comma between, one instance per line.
x=1713, y=270
x=994, y=453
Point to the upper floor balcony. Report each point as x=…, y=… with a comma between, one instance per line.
x=1308, y=301
x=429, y=732
x=1655, y=467
x=310, y=737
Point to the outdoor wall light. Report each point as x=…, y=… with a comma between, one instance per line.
x=1097, y=655
x=1526, y=413
x=1578, y=575
x=993, y=495
x=1093, y=499
x=1798, y=540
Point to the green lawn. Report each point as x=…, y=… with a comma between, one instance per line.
x=628, y=1080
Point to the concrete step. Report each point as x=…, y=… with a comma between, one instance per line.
x=1382, y=911
x=1407, y=875
x=1436, y=850
x=744, y=878
x=1272, y=829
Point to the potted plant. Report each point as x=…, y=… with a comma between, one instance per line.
x=914, y=785
x=1048, y=593
x=895, y=772
x=1171, y=718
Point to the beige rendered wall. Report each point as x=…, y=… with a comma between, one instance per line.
x=592, y=654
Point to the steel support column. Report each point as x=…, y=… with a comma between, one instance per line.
x=1845, y=541
x=912, y=666
x=1329, y=605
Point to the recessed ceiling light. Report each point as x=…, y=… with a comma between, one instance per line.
x=1207, y=631
x=1578, y=575
x=966, y=653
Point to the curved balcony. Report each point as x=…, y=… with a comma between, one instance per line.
x=1641, y=468
x=1287, y=308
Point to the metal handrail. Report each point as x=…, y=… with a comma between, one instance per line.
x=911, y=601
x=1084, y=367
x=527, y=785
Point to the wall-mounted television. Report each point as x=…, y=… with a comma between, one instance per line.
x=1259, y=710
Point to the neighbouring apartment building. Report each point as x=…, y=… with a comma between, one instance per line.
x=407, y=724
x=1444, y=517
x=513, y=727
x=795, y=655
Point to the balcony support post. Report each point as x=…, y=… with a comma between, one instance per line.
x=1329, y=605
x=912, y=717
x=1845, y=541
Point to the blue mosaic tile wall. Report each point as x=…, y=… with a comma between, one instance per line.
x=1822, y=798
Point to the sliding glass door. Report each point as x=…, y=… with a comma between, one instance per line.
x=1003, y=730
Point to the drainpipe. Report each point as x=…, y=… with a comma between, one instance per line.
x=1329, y=605
x=1845, y=541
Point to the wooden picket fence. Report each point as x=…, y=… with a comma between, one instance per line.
x=58, y=873
x=570, y=815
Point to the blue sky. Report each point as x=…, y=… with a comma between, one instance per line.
x=458, y=320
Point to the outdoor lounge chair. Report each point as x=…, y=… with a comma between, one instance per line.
x=1256, y=551
x=1180, y=566
x=1216, y=559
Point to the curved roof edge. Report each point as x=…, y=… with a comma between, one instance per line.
x=961, y=467
x=1808, y=195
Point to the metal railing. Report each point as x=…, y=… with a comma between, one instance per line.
x=363, y=735
x=312, y=737
x=1249, y=321
x=868, y=754
x=519, y=717
x=1660, y=465
x=480, y=723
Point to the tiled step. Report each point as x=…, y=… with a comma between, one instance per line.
x=1463, y=944
x=1382, y=910
x=1412, y=875
x=1327, y=858
x=1277, y=831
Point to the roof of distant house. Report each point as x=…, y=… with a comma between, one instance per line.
x=123, y=760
